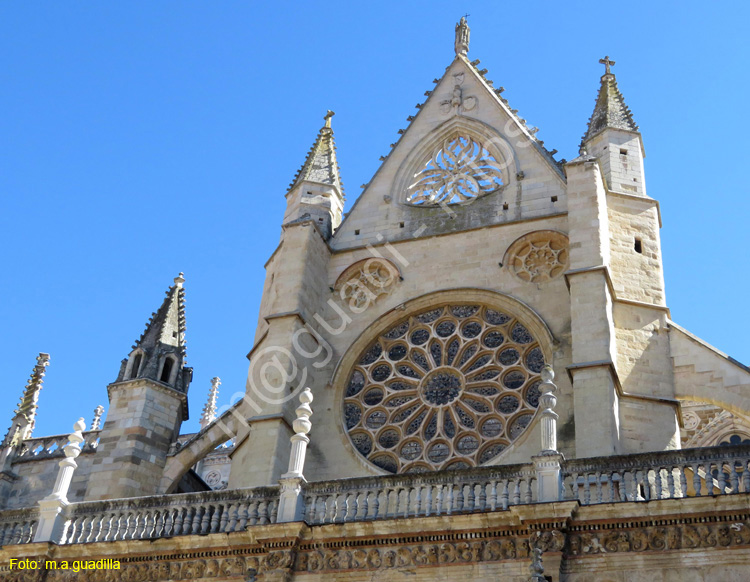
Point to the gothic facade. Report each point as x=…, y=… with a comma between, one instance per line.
x=473, y=372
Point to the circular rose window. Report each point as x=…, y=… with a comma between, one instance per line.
x=448, y=387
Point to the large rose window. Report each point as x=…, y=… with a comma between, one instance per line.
x=449, y=387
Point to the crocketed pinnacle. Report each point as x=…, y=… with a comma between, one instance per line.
x=209, y=410
x=610, y=111
x=321, y=165
x=25, y=415
x=167, y=326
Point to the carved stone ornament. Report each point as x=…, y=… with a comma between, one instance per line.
x=459, y=170
x=448, y=387
x=539, y=256
x=365, y=281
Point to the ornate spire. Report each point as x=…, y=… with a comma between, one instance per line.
x=321, y=165
x=610, y=110
x=209, y=410
x=25, y=415
x=462, y=36
x=167, y=325
x=161, y=348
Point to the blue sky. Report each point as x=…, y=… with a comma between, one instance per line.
x=141, y=139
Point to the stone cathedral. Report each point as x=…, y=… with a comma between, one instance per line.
x=471, y=374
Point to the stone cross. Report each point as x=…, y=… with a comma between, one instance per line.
x=607, y=64
x=52, y=507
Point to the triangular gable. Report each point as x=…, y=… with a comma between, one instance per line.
x=463, y=102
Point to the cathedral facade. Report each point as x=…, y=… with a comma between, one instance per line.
x=473, y=372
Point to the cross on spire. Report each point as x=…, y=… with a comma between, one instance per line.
x=328, y=116
x=607, y=64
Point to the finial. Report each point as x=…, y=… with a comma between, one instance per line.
x=98, y=411
x=328, y=116
x=179, y=280
x=462, y=36
x=209, y=410
x=607, y=64
x=536, y=568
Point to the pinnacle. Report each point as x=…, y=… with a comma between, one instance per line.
x=610, y=111
x=321, y=165
x=167, y=324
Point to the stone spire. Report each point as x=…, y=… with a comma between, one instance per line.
x=161, y=348
x=321, y=165
x=25, y=415
x=462, y=37
x=209, y=410
x=610, y=110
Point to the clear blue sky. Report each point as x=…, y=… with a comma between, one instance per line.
x=140, y=139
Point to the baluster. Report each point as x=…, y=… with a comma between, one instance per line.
x=575, y=487
x=217, y=512
x=168, y=522
x=205, y=517
x=195, y=522
x=504, y=495
x=178, y=520
x=262, y=512
x=470, y=498
x=243, y=515
x=683, y=480
x=273, y=514
x=733, y=478
x=460, y=497
x=657, y=482
x=528, y=495
x=332, y=505
x=252, y=513
x=363, y=504
x=321, y=515
x=745, y=477
x=517, y=491
x=439, y=499
x=376, y=504
x=4, y=531
x=696, y=480
x=670, y=483
x=310, y=506
x=721, y=477
x=482, y=498
x=598, y=477
x=428, y=500
x=610, y=479
x=25, y=537
x=96, y=527
x=348, y=510
x=225, y=509
x=449, y=500
x=148, y=523
x=586, y=489
x=407, y=500
x=16, y=534
x=493, y=495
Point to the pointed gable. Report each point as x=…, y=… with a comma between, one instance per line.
x=464, y=136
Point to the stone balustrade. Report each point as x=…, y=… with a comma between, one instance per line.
x=17, y=526
x=422, y=494
x=660, y=475
x=52, y=446
x=171, y=515
x=626, y=478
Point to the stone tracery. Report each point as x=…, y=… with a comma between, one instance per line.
x=448, y=387
x=459, y=170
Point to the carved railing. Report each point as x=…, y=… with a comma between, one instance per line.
x=52, y=446
x=421, y=494
x=675, y=474
x=625, y=478
x=171, y=515
x=17, y=526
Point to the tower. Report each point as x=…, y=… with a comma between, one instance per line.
x=147, y=404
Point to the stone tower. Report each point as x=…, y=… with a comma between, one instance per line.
x=147, y=404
